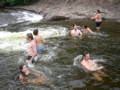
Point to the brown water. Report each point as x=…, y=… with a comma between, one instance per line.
x=57, y=60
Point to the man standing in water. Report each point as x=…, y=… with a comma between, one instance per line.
x=32, y=50
x=98, y=19
x=89, y=64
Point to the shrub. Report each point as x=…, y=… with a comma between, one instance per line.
x=14, y=2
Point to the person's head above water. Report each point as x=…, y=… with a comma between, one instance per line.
x=29, y=36
x=85, y=26
x=74, y=25
x=86, y=55
x=35, y=32
x=98, y=11
x=23, y=68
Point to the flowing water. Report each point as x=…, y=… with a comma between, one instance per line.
x=60, y=60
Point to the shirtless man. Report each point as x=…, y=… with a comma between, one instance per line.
x=87, y=29
x=32, y=51
x=89, y=64
x=98, y=19
x=76, y=32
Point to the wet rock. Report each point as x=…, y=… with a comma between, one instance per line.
x=56, y=18
x=75, y=9
x=118, y=21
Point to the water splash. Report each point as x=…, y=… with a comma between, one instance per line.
x=16, y=41
x=14, y=16
x=77, y=60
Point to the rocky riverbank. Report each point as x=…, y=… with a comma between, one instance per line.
x=74, y=9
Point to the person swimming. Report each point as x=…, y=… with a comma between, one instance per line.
x=27, y=77
x=89, y=64
x=76, y=32
x=93, y=67
x=86, y=28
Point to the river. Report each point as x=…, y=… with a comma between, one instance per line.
x=60, y=60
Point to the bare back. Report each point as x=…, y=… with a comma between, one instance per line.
x=39, y=40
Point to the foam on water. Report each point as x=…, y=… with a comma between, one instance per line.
x=27, y=16
x=16, y=41
x=77, y=60
x=12, y=17
x=99, y=60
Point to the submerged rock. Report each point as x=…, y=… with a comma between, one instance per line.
x=77, y=84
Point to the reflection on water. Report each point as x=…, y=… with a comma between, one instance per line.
x=60, y=61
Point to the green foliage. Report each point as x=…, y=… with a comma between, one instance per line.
x=14, y=2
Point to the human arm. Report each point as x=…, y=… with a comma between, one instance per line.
x=80, y=33
x=21, y=77
x=90, y=30
x=94, y=17
x=78, y=26
x=43, y=41
x=92, y=69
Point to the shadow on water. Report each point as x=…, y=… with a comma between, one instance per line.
x=57, y=61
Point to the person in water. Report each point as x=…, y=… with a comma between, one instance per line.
x=98, y=19
x=76, y=32
x=89, y=64
x=86, y=28
x=39, y=41
x=32, y=50
x=92, y=66
x=27, y=77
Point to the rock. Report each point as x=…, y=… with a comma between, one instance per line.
x=77, y=84
x=74, y=9
x=118, y=21
x=56, y=18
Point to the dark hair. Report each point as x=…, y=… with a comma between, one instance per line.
x=21, y=67
x=98, y=11
x=85, y=26
x=74, y=25
x=30, y=35
x=35, y=32
x=85, y=53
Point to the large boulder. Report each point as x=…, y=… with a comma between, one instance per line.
x=75, y=9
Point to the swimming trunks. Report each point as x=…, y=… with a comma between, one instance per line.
x=40, y=49
x=29, y=57
x=98, y=24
